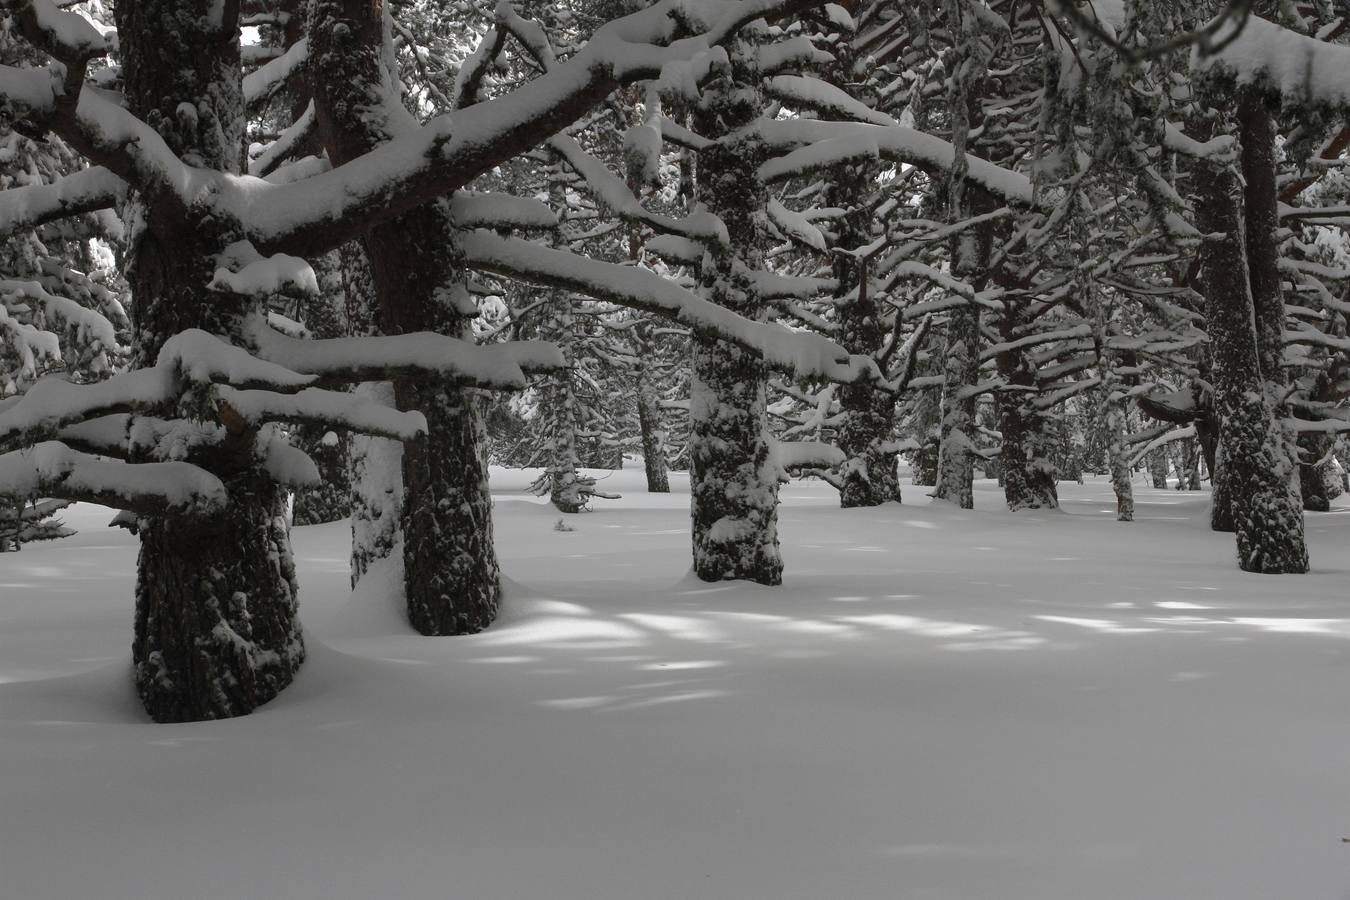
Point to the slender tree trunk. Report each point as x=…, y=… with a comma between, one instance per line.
x=329, y=500
x=652, y=425
x=1157, y=468
x=955, y=469
x=1314, y=474
x=216, y=633
x=568, y=489
x=733, y=476
x=1027, y=471
x=1256, y=468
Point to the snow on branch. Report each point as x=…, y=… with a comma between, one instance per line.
x=85, y=191
x=264, y=81
x=614, y=194
x=51, y=469
x=338, y=360
x=478, y=209
x=821, y=145
x=1301, y=69
x=450, y=151
x=243, y=270
x=803, y=92
x=65, y=35
x=315, y=406
x=88, y=323
x=291, y=138
x=801, y=354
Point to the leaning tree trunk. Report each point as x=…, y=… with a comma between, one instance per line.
x=1257, y=468
x=216, y=633
x=733, y=475
x=451, y=577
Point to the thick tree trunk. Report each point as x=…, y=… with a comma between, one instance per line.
x=1266, y=509
x=733, y=475
x=216, y=630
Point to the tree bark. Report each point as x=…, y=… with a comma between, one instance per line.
x=733, y=475
x=1256, y=468
x=451, y=577
x=216, y=633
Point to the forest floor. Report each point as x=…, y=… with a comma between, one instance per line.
x=936, y=704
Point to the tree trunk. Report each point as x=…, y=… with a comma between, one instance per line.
x=451, y=577
x=652, y=425
x=216, y=632
x=955, y=469
x=1027, y=471
x=323, y=316
x=1256, y=468
x=733, y=476
x=1157, y=468
x=1314, y=475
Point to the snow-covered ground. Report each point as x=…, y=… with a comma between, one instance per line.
x=936, y=704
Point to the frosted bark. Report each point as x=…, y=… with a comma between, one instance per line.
x=1260, y=478
x=733, y=475
x=216, y=632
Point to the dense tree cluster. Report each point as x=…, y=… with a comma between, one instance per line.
x=281, y=260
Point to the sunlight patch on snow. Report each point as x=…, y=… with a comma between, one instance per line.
x=556, y=631
x=682, y=628
x=1298, y=626
x=578, y=702
x=686, y=664
x=1106, y=626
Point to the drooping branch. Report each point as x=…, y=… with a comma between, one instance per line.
x=51, y=469
x=801, y=354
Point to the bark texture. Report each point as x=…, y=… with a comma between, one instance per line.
x=733, y=475
x=216, y=633
x=1256, y=468
x=451, y=577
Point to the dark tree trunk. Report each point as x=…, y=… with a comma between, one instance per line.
x=216, y=631
x=733, y=479
x=1314, y=473
x=1266, y=510
x=1157, y=468
x=330, y=500
x=451, y=577
x=1027, y=472
x=652, y=425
